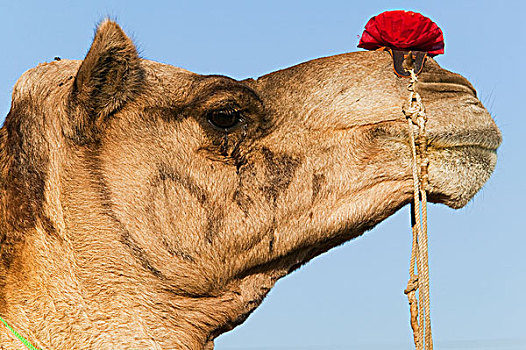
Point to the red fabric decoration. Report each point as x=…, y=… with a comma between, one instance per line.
x=403, y=30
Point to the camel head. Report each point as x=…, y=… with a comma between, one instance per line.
x=146, y=206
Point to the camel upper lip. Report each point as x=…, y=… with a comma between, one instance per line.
x=487, y=137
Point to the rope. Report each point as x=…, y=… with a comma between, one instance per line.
x=419, y=307
x=21, y=338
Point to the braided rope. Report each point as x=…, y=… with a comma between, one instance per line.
x=418, y=306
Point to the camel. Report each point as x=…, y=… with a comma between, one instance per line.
x=148, y=207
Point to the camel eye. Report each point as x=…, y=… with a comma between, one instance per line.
x=225, y=119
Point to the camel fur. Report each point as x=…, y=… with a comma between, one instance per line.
x=144, y=206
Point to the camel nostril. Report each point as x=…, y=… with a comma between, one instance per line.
x=445, y=82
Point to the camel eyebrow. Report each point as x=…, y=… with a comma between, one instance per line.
x=230, y=88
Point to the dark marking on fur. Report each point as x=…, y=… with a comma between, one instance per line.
x=156, y=226
x=92, y=159
x=271, y=244
x=236, y=153
x=166, y=172
x=23, y=162
x=317, y=181
x=177, y=253
x=139, y=254
x=214, y=224
x=168, y=114
x=214, y=212
x=272, y=236
x=246, y=173
x=243, y=201
x=280, y=170
x=268, y=231
x=49, y=227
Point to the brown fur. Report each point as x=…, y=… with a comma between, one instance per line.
x=128, y=221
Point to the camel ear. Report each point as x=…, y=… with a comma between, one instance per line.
x=109, y=76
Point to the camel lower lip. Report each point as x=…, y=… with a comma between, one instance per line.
x=457, y=173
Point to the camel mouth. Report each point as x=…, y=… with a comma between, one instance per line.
x=462, y=144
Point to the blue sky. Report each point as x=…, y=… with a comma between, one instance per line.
x=350, y=297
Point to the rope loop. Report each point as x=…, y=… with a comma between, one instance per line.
x=419, y=304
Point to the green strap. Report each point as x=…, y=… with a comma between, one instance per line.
x=21, y=338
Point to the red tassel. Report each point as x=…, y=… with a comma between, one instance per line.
x=403, y=30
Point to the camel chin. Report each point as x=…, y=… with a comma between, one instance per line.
x=457, y=174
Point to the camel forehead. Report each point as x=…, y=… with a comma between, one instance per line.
x=50, y=75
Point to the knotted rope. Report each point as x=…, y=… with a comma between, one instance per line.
x=418, y=306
